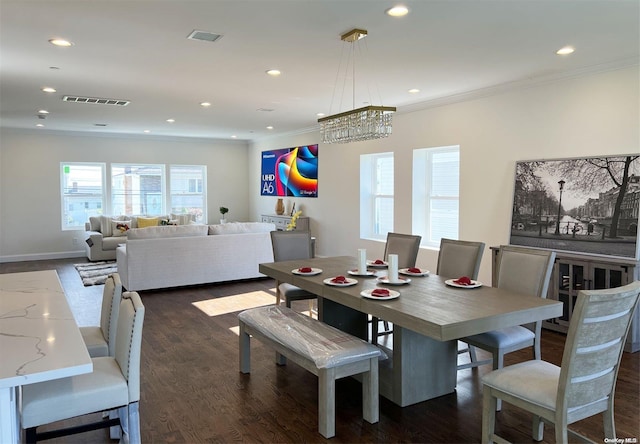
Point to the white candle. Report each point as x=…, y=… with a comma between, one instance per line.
x=393, y=267
x=362, y=261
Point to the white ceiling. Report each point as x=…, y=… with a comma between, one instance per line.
x=139, y=51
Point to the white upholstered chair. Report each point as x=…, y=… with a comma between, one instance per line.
x=459, y=258
x=287, y=246
x=524, y=271
x=406, y=246
x=100, y=339
x=584, y=384
x=113, y=384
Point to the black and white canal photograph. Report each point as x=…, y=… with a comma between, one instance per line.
x=587, y=205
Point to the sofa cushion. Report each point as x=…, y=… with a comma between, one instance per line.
x=105, y=226
x=167, y=231
x=94, y=223
x=120, y=227
x=111, y=243
x=144, y=222
x=241, y=227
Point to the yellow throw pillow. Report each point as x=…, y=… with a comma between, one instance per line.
x=147, y=222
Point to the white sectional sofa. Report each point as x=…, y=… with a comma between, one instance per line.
x=105, y=233
x=173, y=256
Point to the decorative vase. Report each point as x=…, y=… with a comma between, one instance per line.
x=223, y=221
x=280, y=207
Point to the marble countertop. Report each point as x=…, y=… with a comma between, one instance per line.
x=39, y=338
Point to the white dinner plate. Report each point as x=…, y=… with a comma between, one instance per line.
x=366, y=273
x=401, y=280
x=373, y=264
x=367, y=294
x=406, y=271
x=474, y=284
x=313, y=272
x=348, y=282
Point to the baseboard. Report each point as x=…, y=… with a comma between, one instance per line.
x=43, y=256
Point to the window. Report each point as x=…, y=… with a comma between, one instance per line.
x=436, y=185
x=187, y=183
x=376, y=195
x=83, y=193
x=137, y=189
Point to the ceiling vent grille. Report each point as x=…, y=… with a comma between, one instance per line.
x=204, y=36
x=95, y=100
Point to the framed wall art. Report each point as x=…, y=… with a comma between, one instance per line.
x=587, y=205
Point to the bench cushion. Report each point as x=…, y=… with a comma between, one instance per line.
x=326, y=346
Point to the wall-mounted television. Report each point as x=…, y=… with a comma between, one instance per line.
x=587, y=205
x=290, y=172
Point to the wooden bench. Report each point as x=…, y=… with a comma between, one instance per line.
x=325, y=351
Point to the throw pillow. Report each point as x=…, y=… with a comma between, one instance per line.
x=144, y=222
x=120, y=227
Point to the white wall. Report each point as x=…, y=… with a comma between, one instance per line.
x=30, y=209
x=585, y=116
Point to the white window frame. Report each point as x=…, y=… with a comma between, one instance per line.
x=425, y=197
x=138, y=202
x=371, y=225
x=68, y=192
x=199, y=214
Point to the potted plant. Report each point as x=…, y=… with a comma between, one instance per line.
x=223, y=211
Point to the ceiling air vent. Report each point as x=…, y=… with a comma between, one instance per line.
x=204, y=36
x=95, y=100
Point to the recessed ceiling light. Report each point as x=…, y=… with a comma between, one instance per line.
x=397, y=11
x=274, y=72
x=39, y=125
x=48, y=89
x=566, y=50
x=205, y=104
x=320, y=114
x=146, y=131
x=269, y=127
x=43, y=111
x=234, y=136
x=61, y=42
x=171, y=120
x=414, y=90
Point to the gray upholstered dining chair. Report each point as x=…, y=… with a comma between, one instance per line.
x=406, y=246
x=458, y=258
x=100, y=339
x=523, y=271
x=114, y=384
x=287, y=246
x=584, y=384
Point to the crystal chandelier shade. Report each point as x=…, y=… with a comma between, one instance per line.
x=366, y=123
x=370, y=122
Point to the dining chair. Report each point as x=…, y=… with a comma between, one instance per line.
x=458, y=258
x=288, y=246
x=584, y=384
x=523, y=271
x=100, y=339
x=406, y=246
x=114, y=384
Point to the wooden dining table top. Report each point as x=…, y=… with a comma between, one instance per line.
x=426, y=305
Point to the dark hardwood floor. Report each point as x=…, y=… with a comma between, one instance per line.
x=192, y=391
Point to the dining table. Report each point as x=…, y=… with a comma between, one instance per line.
x=429, y=315
x=39, y=341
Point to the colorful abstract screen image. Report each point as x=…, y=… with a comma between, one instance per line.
x=290, y=172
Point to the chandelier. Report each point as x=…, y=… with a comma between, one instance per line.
x=366, y=123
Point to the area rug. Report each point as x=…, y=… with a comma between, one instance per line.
x=96, y=273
